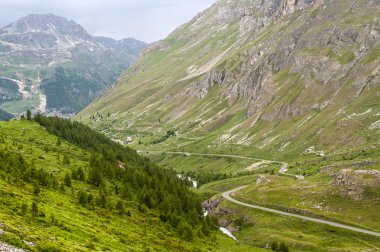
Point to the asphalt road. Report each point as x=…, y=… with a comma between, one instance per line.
x=227, y=196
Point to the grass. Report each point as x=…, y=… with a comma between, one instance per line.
x=264, y=228
x=292, y=110
x=66, y=225
x=315, y=195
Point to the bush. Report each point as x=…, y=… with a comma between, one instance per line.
x=49, y=248
x=282, y=247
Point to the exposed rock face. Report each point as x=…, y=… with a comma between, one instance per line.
x=210, y=205
x=345, y=178
x=8, y=248
x=354, y=182
x=262, y=180
x=200, y=89
x=159, y=45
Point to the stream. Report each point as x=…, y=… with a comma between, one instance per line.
x=195, y=183
x=227, y=232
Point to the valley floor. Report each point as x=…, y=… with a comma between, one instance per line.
x=351, y=226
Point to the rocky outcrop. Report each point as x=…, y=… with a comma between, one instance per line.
x=345, y=178
x=8, y=248
x=156, y=46
x=200, y=89
x=210, y=205
x=262, y=180
x=357, y=165
x=353, y=183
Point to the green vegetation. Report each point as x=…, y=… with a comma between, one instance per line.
x=59, y=88
x=301, y=91
x=315, y=196
x=83, y=197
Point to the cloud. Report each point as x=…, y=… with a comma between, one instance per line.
x=148, y=20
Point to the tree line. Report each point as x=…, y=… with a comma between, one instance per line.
x=119, y=171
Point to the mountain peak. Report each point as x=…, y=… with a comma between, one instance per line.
x=48, y=23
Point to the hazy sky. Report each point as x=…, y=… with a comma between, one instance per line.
x=147, y=20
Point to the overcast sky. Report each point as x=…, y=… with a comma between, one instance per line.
x=147, y=20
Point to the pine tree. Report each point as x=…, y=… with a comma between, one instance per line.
x=36, y=189
x=34, y=209
x=80, y=174
x=59, y=142
x=82, y=198
x=120, y=208
x=102, y=200
x=147, y=201
x=24, y=208
x=28, y=115
x=67, y=180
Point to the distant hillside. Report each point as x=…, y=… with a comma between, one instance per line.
x=4, y=116
x=52, y=64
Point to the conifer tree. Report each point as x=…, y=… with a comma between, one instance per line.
x=28, y=115
x=67, y=180
x=34, y=209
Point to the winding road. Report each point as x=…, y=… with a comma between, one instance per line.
x=227, y=196
x=283, y=169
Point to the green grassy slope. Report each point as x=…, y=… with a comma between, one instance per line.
x=33, y=170
x=349, y=197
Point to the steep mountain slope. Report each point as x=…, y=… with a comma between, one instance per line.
x=271, y=78
x=51, y=63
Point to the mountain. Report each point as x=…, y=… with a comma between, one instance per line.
x=274, y=78
x=4, y=116
x=277, y=100
x=49, y=63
